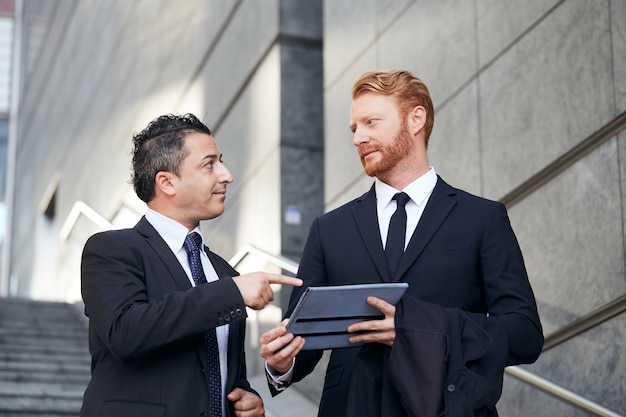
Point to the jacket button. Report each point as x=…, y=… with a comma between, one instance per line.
x=451, y=388
x=233, y=314
x=227, y=317
x=220, y=321
x=239, y=312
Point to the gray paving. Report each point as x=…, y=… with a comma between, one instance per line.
x=289, y=403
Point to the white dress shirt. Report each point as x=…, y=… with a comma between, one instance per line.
x=174, y=234
x=419, y=191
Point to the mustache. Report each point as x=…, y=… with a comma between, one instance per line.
x=219, y=189
x=363, y=149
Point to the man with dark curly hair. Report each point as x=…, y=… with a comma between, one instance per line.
x=166, y=315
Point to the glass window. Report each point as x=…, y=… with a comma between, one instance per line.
x=6, y=49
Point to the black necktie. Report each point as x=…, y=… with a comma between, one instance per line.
x=192, y=245
x=396, y=234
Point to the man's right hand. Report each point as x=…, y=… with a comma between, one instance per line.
x=279, y=348
x=256, y=290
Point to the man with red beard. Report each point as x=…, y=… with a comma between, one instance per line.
x=469, y=310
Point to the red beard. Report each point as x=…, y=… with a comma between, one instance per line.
x=391, y=154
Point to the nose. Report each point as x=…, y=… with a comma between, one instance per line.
x=225, y=175
x=359, y=138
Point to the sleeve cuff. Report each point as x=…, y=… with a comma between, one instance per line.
x=279, y=382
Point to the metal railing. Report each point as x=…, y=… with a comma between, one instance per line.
x=278, y=260
x=560, y=392
x=609, y=310
x=561, y=335
x=566, y=160
x=586, y=322
x=79, y=208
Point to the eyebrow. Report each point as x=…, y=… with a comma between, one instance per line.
x=352, y=124
x=209, y=157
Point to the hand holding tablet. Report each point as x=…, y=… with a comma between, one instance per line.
x=323, y=314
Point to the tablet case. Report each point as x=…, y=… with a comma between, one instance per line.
x=323, y=314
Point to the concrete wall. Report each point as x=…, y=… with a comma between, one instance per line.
x=107, y=68
x=517, y=85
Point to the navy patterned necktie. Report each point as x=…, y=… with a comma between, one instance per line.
x=192, y=245
x=394, y=248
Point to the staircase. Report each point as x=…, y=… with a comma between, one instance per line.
x=44, y=358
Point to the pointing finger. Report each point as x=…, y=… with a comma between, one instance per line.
x=283, y=279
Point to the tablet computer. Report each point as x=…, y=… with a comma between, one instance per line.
x=323, y=314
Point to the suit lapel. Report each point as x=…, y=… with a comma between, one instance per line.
x=437, y=209
x=219, y=267
x=366, y=218
x=176, y=271
x=164, y=253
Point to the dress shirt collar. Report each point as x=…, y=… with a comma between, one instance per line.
x=172, y=232
x=418, y=190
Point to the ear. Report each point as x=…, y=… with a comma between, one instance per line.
x=416, y=119
x=165, y=182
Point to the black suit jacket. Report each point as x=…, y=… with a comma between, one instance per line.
x=463, y=256
x=145, y=326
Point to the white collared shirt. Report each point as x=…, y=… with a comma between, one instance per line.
x=174, y=234
x=419, y=191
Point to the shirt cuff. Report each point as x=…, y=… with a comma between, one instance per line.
x=279, y=381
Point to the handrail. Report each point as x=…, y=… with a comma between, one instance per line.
x=586, y=322
x=566, y=160
x=79, y=208
x=560, y=392
x=278, y=260
x=561, y=335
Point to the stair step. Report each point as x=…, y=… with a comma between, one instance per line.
x=22, y=323
x=44, y=358
x=12, y=389
x=66, y=322
x=46, y=377
x=35, y=340
x=82, y=358
x=44, y=332
x=37, y=309
x=65, y=368
x=40, y=405
x=42, y=349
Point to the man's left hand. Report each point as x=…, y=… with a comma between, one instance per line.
x=247, y=404
x=376, y=331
